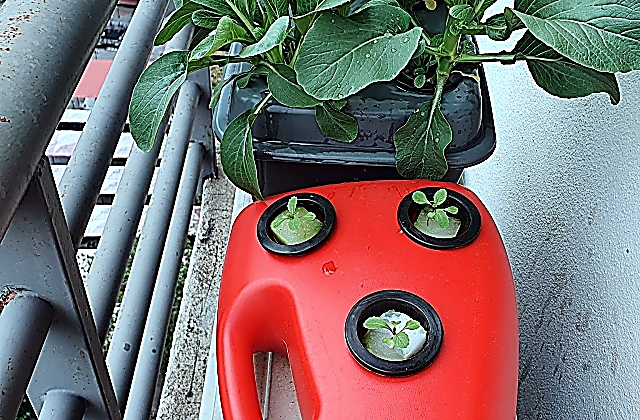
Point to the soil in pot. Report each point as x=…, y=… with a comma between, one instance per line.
x=295, y=225
x=394, y=336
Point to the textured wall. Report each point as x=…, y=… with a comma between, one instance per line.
x=563, y=188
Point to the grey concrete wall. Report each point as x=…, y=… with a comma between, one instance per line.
x=563, y=188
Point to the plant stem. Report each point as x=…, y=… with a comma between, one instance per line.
x=262, y=104
x=242, y=17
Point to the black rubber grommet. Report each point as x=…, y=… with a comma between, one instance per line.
x=315, y=203
x=376, y=304
x=467, y=213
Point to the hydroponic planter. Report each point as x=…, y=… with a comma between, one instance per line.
x=300, y=306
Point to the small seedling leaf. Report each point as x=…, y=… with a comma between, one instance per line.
x=375, y=323
x=278, y=220
x=294, y=224
x=395, y=323
x=419, y=197
x=439, y=197
x=462, y=12
x=412, y=325
x=401, y=340
x=389, y=342
x=309, y=216
x=419, y=81
x=431, y=214
x=293, y=203
x=452, y=210
x=442, y=218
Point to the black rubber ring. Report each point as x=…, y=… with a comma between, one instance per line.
x=315, y=203
x=412, y=305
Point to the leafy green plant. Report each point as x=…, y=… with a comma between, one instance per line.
x=431, y=209
x=398, y=338
x=300, y=225
x=317, y=53
x=294, y=215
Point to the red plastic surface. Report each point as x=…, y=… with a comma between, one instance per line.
x=294, y=305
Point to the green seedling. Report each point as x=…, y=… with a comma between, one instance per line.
x=296, y=224
x=399, y=339
x=431, y=210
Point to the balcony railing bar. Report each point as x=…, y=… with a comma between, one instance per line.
x=42, y=62
x=87, y=168
x=151, y=350
x=107, y=271
x=24, y=323
x=123, y=350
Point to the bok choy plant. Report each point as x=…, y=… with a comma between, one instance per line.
x=316, y=53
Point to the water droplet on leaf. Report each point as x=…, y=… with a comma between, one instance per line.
x=368, y=55
x=405, y=40
x=375, y=41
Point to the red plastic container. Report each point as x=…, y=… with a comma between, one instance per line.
x=297, y=306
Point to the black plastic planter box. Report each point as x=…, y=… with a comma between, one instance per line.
x=292, y=153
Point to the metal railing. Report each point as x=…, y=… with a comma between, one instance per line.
x=52, y=324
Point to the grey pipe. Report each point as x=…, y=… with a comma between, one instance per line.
x=42, y=62
x=24, y=324
x=107, y=270
x=126, y=339
x=87, y=168
x=60, y=404
x=152, y=347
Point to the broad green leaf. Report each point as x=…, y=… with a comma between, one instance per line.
x=177, y=3
x=564, y=78
x=439, y=197
x=412, y=325
x=388, y=341
x=482, y=7
x=419, y=197
x=381, y=19
x=294, y=224
x=227, y=32
x=152, y=96
x=303, y=24
x=205, y=19
x=257, y=70
x=497, y=28
x=462, y=12
x=220, y=7
x=366, y=54
x=284, y=87
x=600, y=34
x=306, y=7
x=375, y=323
x=236, y=154
x=198, y=36
x=451, y=210
x=442, y=218
x=274, y=36
x=374, y=3
x=292, y=204
x=247, y=7
x=420, y=143
x=336, y=124
x=339, y=104
x=275, y=9
x=401, y=340
x=175, y=22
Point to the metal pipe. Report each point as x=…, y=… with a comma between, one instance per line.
x=60, y=404
x=44, y=48
x=107, y=270
x=127, y=336
x=151, y=349
x=81, y=182
x=24, y=323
